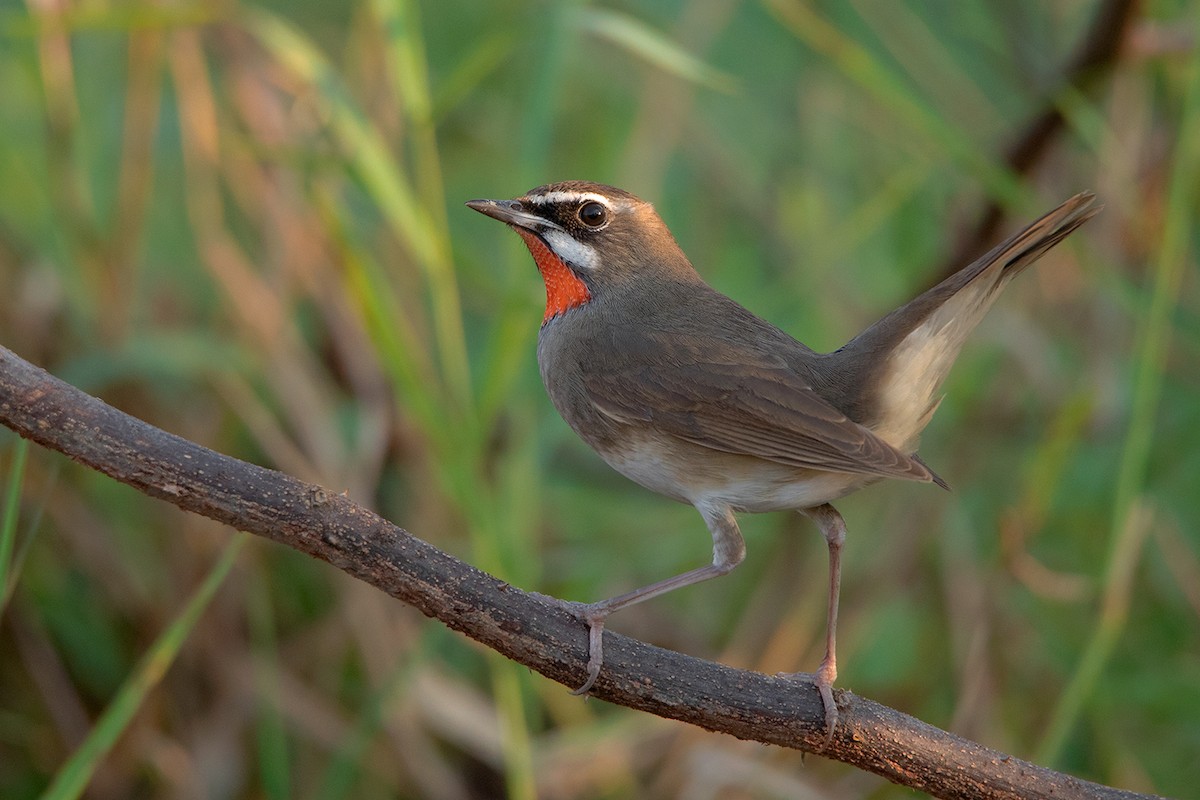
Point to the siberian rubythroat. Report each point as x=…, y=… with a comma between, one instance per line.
x=686, y=392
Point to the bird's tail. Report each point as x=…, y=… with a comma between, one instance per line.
x=912, y=349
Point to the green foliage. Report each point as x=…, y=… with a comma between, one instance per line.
x=244, y=223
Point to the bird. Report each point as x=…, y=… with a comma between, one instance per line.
x=688, y=393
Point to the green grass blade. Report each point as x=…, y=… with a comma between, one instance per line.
x=1153, y=341
x=487, y=56
x=858, y=64
x=9, y=516
x=270, y=736
x=388, y=184
x=518, y=745
x=403, y=356
x=653, y=47
x=404, y=206
x=347, y=764
x=405, y=51
x=542, y=102
x=72, y=778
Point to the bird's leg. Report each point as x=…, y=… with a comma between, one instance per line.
x=833, y=528
x=728, y=551
x=594, y=614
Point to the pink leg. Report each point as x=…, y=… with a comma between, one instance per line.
x=728, y=551
x=833, y=528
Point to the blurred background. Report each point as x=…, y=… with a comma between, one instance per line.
x=243, y=222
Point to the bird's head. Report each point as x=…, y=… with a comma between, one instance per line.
x=588, y=239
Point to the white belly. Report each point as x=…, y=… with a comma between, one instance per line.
x=694, y=474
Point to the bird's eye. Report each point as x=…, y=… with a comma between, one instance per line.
x=593, y=214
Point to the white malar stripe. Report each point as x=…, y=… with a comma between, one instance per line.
x=571, y=250
x=551, y=198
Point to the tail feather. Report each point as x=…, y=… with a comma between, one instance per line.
x=910, y=351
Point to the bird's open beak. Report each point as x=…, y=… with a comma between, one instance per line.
x=512, y=213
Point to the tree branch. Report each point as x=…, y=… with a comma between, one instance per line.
x=522, y=626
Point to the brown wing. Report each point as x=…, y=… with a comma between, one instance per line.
x=739, y=400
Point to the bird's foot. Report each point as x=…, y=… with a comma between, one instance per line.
x=593, y=615
x=823, y=678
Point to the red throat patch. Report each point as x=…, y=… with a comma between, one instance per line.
x=564, y=289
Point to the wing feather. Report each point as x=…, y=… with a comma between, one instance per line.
x=739, y=400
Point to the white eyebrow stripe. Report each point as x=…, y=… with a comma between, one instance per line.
x=571, y=250
x=568, y=197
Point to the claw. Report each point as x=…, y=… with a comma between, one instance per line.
x=595, y=650
x=831, y=711
x=593, y=617
x=826, y=674
x=823, y=679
